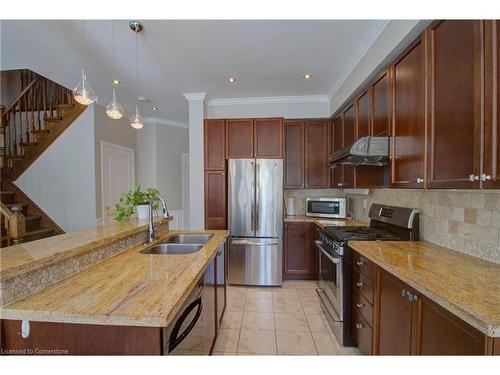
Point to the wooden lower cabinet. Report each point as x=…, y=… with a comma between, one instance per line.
x=401, y=321
x=395, y=317
x=440, y=332
x=300, y=260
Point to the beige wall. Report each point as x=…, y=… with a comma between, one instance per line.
x=117, y=132
x=171, y=143
x=464, y=220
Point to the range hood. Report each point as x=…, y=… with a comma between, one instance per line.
x=365, y=151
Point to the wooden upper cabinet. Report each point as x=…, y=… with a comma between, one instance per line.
x=366, y=176
x=215, y=200
x=491, y=171
x=454, y=50
x=395, y=318
x=268, y=138
x=214, y=139
x=239, y=139
x=337, y=142
x=408, y=122
x=381, y=104
x=349, y=136
x=317, y=146
x=294, y=157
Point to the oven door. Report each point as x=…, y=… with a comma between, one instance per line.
x=331, y=282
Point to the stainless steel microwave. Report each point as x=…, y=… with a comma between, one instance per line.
x=327, y=207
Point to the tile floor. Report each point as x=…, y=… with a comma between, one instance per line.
x=276, y=321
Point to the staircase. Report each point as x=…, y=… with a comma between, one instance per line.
x=28, y=126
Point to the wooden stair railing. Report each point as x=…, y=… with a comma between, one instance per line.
x=14, y=224
x=39, y=114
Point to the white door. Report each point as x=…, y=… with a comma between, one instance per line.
x=118, y=174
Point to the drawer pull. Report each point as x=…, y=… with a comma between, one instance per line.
x=359, y=305
x=360, y=263
x=359, y=284
x=359, y=325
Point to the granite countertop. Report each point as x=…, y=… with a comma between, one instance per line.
x=18, y=259
x=130, y=289
x=467, y=286
x=324, y=222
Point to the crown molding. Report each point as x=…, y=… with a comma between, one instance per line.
x=360, y=52
x=161, y=121
x=195, y=96
x=268, y=100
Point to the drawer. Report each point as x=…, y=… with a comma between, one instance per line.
x=362, y=333
x=362, y=284
x=363, y=265
x=364, y=307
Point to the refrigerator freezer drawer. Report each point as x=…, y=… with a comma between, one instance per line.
x=256, y=261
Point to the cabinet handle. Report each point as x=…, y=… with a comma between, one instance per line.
x=404, y=292
x=485, y=177
x=359, y=305
x=359, y=284
x=360, y=263
x=359, y=325
x=420, y=180
x=340, y=184
x=473, y=178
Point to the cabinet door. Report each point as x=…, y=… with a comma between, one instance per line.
x=366, y=176
x=381, y=104
x=294, y=154
x=214, y=139
x=349, y=136
x=239, y=139
x=491, y=172
x=316, y=154
x=268, y=138
x=337, y=141
x=439, y=332
x=208, y=326
x=408, y=122
x=215, y=200
x=395, y=316
x=454, y=112
x=299, y=259
x=220, y=269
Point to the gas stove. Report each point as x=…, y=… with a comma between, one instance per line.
x=386, y=223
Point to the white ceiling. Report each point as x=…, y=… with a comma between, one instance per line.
x=268, y=58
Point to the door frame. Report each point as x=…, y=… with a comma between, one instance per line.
x=113, y=145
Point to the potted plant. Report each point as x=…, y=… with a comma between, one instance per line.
x=137, y=200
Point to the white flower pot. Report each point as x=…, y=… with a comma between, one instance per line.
x=142, y=211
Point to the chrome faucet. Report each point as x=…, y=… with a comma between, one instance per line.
x=152, y=228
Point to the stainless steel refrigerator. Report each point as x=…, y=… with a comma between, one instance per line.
x=255, y=217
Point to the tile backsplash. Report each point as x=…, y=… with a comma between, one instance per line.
x=464, y=220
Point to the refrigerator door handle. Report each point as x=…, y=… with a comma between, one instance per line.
x=252, y=211
x=257, y=197
x=255, y=243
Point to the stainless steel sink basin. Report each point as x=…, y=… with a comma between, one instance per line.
x=173, y=248
x=195, y=238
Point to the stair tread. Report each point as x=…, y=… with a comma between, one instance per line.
x=52, y=118
x=28, y=144
x=29, y=218
x=38, y=231
x=39, y=131
x=9, y=205
x=7, y=193
x=15, y=157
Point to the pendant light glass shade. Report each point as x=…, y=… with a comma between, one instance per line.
x=83, y=93
x=136, y=121
x=114, y=110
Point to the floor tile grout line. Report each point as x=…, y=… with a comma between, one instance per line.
x=309, y=325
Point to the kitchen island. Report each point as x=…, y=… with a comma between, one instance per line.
x=119, y=305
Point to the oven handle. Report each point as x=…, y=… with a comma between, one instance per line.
x=332, y=259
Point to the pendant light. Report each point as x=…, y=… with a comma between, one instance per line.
x=83, y=93
x=114, y=109
x=136, y=121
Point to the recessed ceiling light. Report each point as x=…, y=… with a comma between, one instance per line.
x=231, y=80
x=154, y=108
x=116, y=82
x=307, y=76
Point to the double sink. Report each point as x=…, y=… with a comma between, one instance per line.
x=180, y=244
